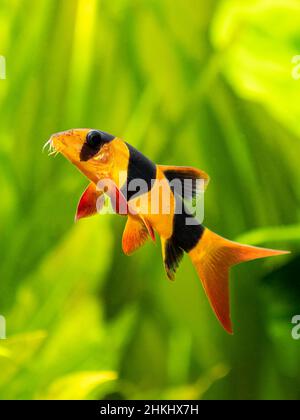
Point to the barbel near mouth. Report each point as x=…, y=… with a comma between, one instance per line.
x=51, y=148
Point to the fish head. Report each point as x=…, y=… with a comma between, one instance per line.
x=88, y=149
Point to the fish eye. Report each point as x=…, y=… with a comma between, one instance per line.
x=94, y=139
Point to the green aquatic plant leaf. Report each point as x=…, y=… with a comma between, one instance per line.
x=78, y=386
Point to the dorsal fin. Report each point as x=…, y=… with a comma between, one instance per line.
x=189, y=177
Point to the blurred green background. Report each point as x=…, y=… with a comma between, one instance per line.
x=189, y=82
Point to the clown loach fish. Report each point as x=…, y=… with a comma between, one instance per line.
x=101, y=156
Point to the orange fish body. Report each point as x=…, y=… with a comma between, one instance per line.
x=145, y=193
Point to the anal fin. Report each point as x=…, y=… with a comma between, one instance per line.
x=172, y=256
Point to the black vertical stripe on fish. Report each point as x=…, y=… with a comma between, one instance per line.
x=185, y=237
x=139, y=168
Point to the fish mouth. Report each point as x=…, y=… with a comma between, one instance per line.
x=68, y=143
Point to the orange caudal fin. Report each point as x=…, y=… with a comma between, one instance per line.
x=213, y=257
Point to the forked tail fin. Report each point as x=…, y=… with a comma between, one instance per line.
x=213, y=257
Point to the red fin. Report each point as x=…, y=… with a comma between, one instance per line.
x=213, y=257
x=135, y=235
x=89, y=202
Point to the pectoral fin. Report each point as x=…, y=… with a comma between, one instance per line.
x=135, y=235
x=90, y=203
